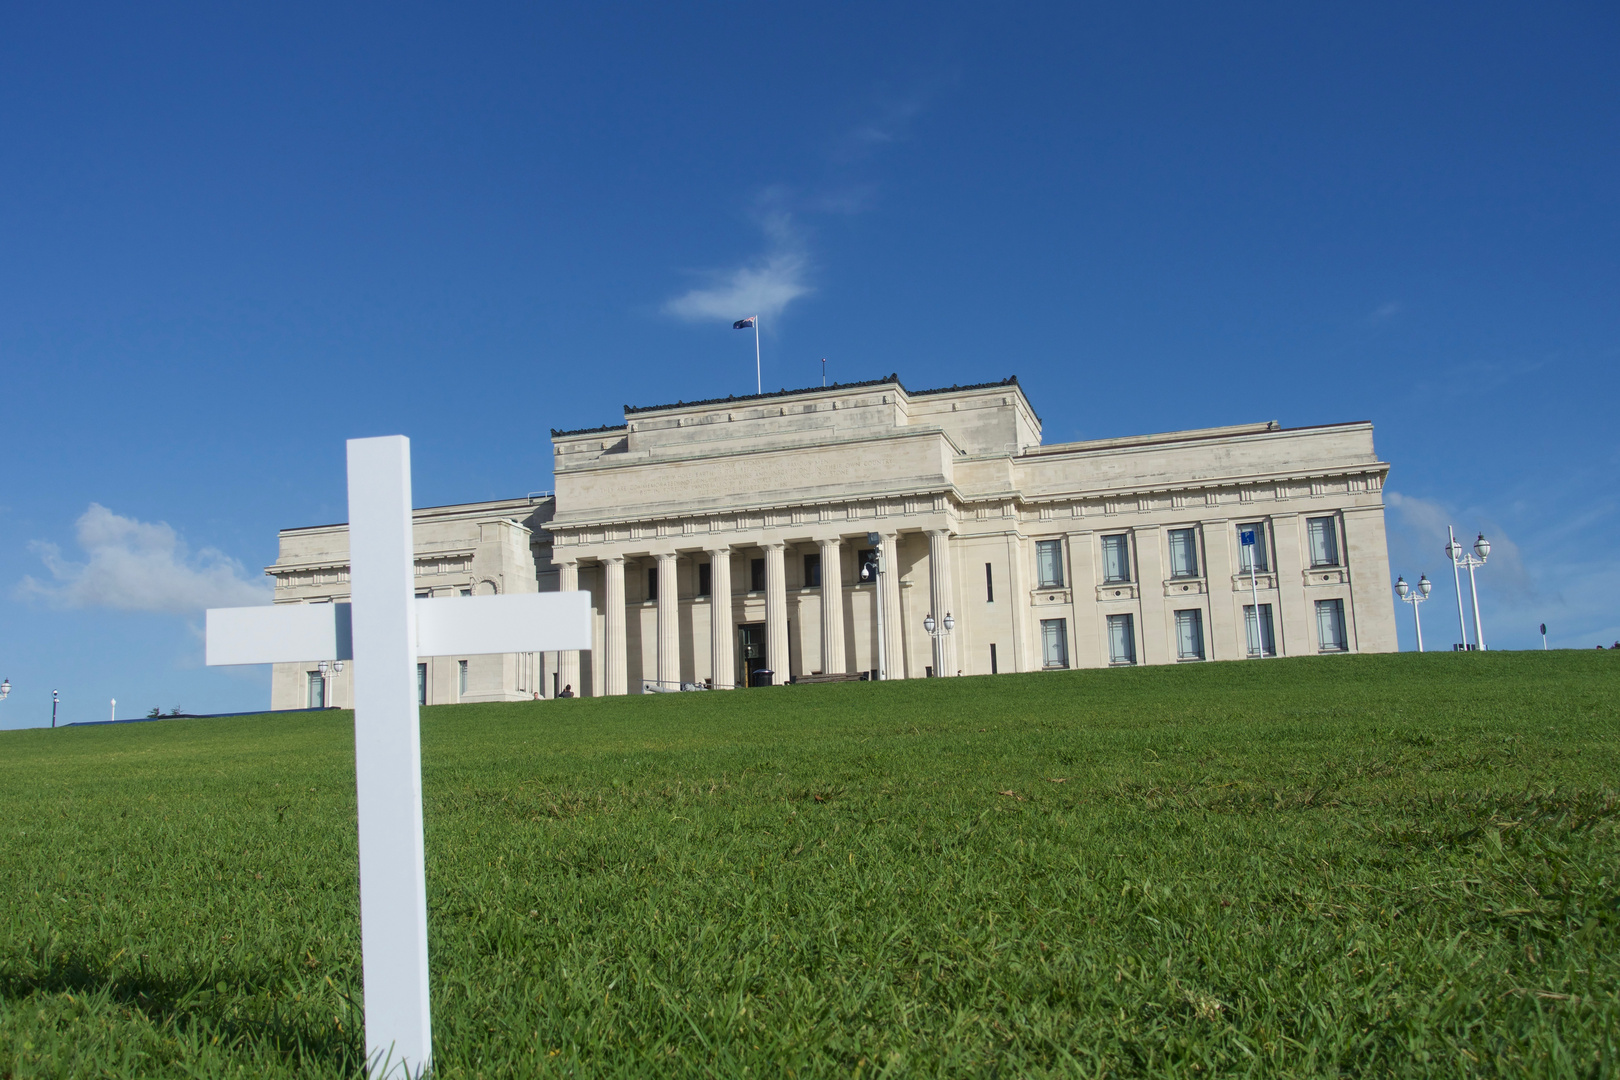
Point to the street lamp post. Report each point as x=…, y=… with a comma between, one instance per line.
x=327, y=671
x=55, y=700
x=1459, y=557
x=1415, y=597
x=5, y=689
x=939, y=635
x=873, y=572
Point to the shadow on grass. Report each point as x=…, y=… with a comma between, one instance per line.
x=260, y=1014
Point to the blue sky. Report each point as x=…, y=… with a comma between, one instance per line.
x=231, y=238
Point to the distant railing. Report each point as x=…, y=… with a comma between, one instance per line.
x=536, y=496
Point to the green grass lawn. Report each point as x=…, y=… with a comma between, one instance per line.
x=1380, y=865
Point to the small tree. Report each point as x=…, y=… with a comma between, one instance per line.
x=154, y=714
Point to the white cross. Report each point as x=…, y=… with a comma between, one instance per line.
x=383, y=630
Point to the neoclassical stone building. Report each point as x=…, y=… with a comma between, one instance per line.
x=722, y=538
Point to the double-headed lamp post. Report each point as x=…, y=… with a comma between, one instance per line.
x=1415, y=597
x=5, y=689
x=327, y=670
x=939, y=634
x=1460, y=557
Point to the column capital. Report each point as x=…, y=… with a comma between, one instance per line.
x=611, y=560
x=774, y=545
x=946, y=533
x=830, y=542
x=569, y=564
x=668, y=556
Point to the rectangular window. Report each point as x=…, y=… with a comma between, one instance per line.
x=1190, y=635
x=756, y=575
x=1055, y=643
x=465, y=592
x=652, y=583
x=705, y=579
x=1262, y=642
x=989, y=587
x=461, y=677
x=1253, y=554
x=424, y=594
x=1324, y=534
x=1183, y=553
x=1049, y=564
x=1121, y=639
x=866, y=561
x=992, y=658
x=812, y=571
x=1330, y=626
x=421, y=684
x=1116, y=558
x=317, y=690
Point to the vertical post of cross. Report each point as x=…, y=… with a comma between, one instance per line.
x=388, y=759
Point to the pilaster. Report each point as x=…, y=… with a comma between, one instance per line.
x=833, y=658
x=722, y=633
x=615, y=676
x=776, y=639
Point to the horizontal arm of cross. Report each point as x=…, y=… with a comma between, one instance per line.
x=450, y=626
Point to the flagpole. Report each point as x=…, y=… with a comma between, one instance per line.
x=759, y=387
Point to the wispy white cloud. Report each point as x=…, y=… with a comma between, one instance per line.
x=135, y=565
x=765, y=286
x=1384, y=312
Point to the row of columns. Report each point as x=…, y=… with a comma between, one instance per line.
x=723, y=629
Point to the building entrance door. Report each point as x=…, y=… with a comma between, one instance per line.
x=750, y=651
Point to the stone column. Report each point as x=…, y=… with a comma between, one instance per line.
x=776, y=639
x=833, y=659
x=894, y=630
x=1088, y=646
x=615, y=675
x=942, y=595
x=567, y=661
x=1371, y=612
x=1155, y=631
x=1294, y=625
x=1226, y=637
x=722, y=633
x=669, y=630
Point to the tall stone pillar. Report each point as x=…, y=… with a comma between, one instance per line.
x=568, y=660
x=722, y=633
x=669, y=631
x=942, y=594
x=776, y=633
x=1294, y=625
x=615, y=675
x=833, y=657
x=894, y=631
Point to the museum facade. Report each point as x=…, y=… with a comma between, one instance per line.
x=761, y=539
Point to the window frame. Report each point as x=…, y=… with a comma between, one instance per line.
x=756, y=575
x=1054, y=547
x=652, y=582
x=1261, y=549
x=1261, y=631
x=1327, y=528
x=1197, y=623
x=1061, y=628
x=989, y=584
x=461, y=679
x=1126, y=620
x=1191, y=533
x=316, y=680
x=1333, y=608
x=1124, y=542
x=705, y=579
x=812, y=569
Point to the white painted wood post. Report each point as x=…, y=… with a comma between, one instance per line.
x=383, y=630
x=388, y=758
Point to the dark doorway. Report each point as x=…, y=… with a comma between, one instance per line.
x=750, y=651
